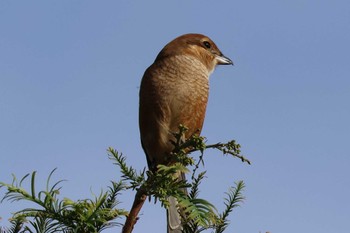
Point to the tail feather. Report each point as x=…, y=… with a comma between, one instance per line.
x=174, y=223
x=173, y=217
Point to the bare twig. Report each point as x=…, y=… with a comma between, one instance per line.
x=132, y=218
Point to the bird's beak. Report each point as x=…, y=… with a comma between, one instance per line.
x=222, y=60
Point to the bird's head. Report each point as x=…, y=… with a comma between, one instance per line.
x=197, y=46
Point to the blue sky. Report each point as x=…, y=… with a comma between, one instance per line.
x=69, y=81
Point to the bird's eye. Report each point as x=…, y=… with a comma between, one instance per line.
x=207, y=44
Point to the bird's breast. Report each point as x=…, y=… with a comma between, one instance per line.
x=173, y=91
x=185, y=89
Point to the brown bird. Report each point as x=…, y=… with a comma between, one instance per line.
x=174, y=90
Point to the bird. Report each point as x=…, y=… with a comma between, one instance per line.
x=174, y=91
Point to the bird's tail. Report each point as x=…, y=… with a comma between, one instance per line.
x=173, y=217
x=174, y=223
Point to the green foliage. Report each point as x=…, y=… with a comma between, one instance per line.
x=160, y=184
x=233, y=200
x=16, y=225
x=54, y=215
x=51, y=214
x=198, y=214
x=129, y=174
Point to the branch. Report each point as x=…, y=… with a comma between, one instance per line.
x=132, y=217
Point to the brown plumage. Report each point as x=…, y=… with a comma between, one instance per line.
x=174, y=90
